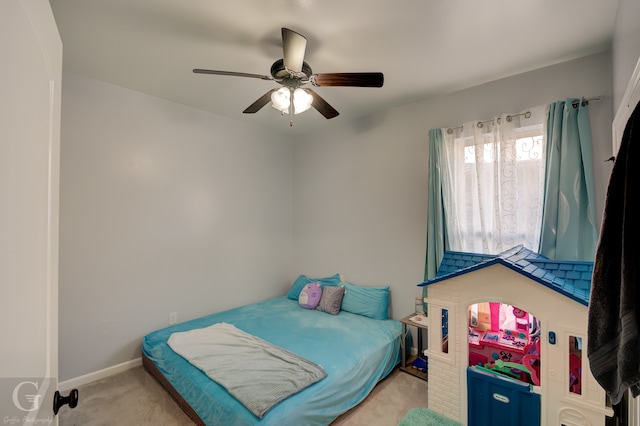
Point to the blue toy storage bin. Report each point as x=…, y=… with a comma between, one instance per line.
x=499, y=400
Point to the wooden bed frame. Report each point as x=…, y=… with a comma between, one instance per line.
x=153, y=370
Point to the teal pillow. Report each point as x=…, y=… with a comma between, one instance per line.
x=372, y=302
x=302, y=280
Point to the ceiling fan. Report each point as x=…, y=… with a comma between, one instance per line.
x=292, y=72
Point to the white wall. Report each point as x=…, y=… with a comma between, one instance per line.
x=359, y=193
x=626, y=46
x=163, y=208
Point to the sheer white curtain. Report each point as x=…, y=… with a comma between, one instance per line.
x=493, y=182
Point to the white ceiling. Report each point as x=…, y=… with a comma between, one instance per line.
x=424, y=47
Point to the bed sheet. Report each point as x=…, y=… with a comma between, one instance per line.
x=355, y=351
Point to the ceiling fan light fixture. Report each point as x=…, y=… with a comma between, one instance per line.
x=281, y=99
x=301, y=100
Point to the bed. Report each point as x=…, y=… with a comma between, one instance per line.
x=356, y=346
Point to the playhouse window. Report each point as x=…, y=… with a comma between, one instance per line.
x=575, y=365
x=445, y=331
x=504, y=339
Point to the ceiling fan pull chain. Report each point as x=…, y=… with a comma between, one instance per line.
x=292, y=108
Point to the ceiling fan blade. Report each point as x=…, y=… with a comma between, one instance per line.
x=262, y=101
x=353, y=79
x=232, y=73
x=322, y=106
x=294, y=46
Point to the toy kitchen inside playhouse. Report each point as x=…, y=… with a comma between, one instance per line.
x=504, y=339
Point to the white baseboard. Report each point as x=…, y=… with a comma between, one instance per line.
x=67, y=385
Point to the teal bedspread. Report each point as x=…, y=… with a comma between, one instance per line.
x=355, y=351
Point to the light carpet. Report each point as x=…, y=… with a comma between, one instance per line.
x=135, y=398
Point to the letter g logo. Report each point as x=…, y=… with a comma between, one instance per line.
x=34, y=399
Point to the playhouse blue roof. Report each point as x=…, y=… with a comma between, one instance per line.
x=571, y=278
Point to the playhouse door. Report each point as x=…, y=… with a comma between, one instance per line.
x=496, y=400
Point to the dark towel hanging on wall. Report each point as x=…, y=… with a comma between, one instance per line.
x=614, y=309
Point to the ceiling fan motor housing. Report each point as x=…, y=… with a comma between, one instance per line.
x=280, y=73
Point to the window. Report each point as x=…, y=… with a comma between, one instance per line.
x=444, y=341
x=575, y=365
x=493, y=183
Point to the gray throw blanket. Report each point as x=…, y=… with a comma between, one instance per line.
x=255, y=372
x=613, y=346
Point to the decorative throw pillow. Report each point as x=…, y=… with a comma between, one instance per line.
x=310, y=295
x=372, y=302
x=302, y=280
x=331, y=300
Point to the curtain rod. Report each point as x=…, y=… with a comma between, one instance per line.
x=527, y=114
x=586, y=101
x=482, y=123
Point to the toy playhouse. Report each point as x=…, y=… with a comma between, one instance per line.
x=507, y=341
